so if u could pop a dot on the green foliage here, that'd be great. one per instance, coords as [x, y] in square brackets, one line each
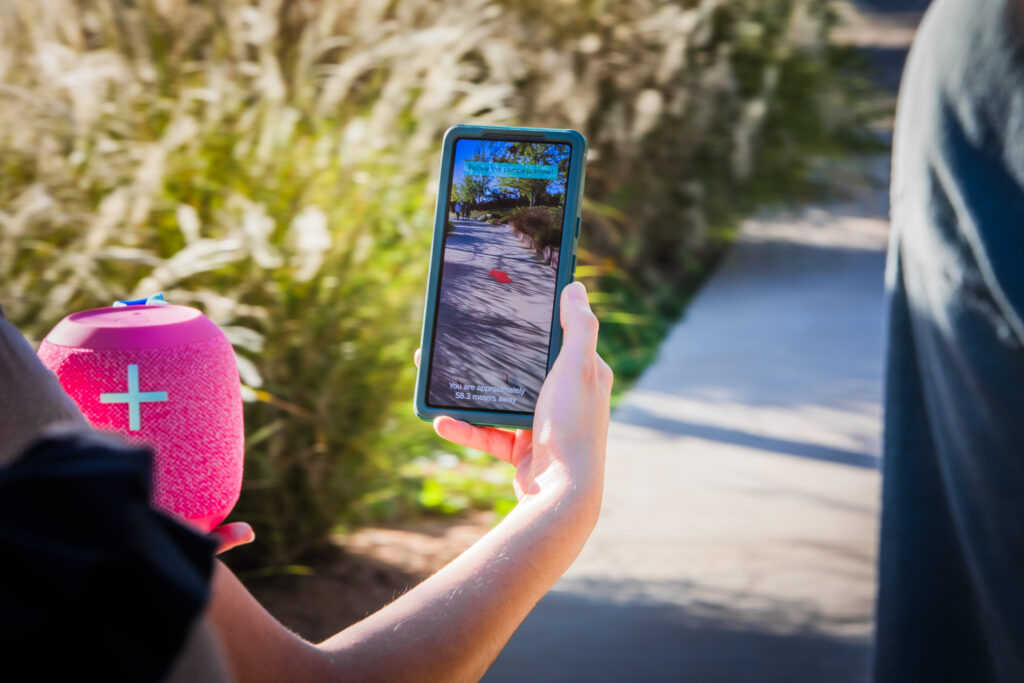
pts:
[273, 163]
[532, 154]
[471, 190]
[451, 486]
[542, 224]
[443, 483]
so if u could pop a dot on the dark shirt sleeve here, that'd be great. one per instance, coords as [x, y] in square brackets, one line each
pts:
[92, 579]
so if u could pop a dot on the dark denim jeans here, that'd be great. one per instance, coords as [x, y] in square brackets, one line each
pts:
[951, 566]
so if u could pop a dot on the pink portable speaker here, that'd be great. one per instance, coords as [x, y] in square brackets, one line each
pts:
[164, 376]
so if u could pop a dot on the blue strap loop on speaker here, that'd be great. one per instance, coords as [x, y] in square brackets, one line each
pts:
[155, 300]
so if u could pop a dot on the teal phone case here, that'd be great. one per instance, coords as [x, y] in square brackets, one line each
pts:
[566, 264]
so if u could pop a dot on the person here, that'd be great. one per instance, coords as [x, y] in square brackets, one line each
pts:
[951, 600]
[93, 579]
[452, 625]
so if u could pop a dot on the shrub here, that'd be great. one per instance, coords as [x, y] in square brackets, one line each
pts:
[541, 223]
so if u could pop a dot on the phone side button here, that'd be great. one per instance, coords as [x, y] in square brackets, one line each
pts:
[577, 227]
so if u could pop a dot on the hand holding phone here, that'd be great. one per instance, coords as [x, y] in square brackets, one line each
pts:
[564, 453]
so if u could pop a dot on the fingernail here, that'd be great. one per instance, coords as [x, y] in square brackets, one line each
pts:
[577, 292]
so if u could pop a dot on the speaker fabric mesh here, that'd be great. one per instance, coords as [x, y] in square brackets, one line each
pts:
[196, 433]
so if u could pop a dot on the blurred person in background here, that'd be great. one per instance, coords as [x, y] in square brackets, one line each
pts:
[138, 596]
[951, 595]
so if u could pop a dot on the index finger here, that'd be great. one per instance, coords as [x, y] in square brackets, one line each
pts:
[497, 442]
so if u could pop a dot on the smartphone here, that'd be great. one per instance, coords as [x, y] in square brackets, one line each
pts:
[505, 232]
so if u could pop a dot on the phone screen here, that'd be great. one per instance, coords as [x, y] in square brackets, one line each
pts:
[502, 237]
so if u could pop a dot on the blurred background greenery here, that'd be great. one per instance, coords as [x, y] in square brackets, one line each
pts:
[275, 164]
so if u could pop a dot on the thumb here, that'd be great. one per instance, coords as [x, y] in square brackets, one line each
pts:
[578, 322]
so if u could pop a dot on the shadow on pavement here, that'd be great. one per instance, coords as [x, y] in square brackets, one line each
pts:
[489, 333]
[639, 417]
[612, 640]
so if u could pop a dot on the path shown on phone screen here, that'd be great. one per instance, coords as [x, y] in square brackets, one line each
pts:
[490, 332]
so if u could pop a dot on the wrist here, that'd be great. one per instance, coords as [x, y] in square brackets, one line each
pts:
[574, 481]
[569, 506]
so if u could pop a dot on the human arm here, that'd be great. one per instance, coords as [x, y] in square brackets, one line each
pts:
[33, 403]
[452, 625]
[31, 398]
[78, 513]
[35, 410]
[92, 486]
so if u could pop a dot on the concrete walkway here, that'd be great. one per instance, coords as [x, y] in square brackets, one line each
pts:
[737, 540]
[738, 536]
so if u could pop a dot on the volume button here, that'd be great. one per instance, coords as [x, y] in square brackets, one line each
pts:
[577, 227]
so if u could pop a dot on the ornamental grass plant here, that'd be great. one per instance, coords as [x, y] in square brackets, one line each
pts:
[275, 164]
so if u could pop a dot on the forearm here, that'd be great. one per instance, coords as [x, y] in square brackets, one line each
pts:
[453, 625]
[450, 627]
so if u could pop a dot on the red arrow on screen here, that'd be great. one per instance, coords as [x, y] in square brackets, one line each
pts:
[500, 275]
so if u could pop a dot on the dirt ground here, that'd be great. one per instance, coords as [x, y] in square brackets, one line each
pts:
[366, 570]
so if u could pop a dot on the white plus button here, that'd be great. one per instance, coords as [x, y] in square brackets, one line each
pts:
[134, 398]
